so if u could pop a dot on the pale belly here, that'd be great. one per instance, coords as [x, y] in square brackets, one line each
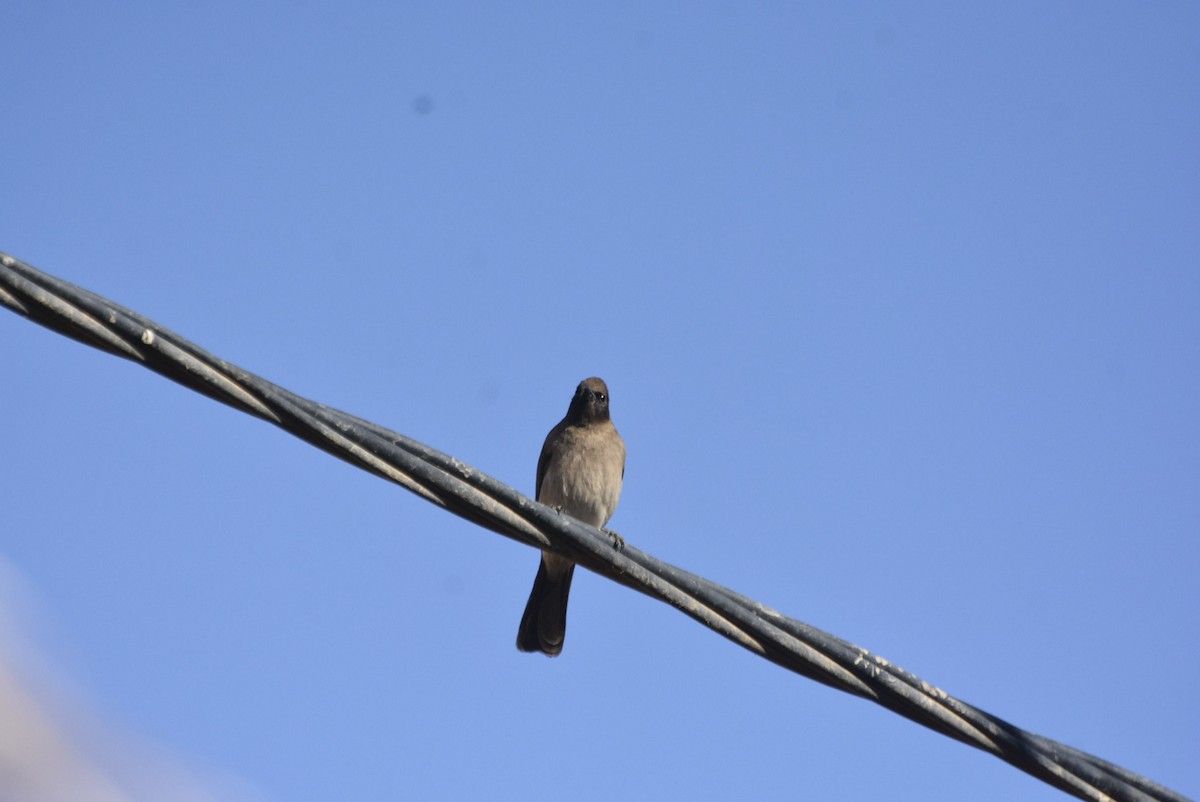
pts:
[585, 484]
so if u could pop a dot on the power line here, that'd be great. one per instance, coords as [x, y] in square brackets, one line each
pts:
[477, 497]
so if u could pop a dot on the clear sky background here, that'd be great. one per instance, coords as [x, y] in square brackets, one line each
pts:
[900, 310]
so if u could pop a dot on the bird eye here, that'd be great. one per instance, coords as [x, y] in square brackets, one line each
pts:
[601, 397]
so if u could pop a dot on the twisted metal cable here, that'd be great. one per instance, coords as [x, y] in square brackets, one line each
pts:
[477, 497]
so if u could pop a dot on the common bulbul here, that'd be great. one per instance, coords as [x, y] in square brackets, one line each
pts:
[579, 472]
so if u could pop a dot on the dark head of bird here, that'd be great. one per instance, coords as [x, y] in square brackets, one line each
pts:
[590, 403]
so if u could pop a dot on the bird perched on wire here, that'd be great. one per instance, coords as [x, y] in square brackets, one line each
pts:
[579, 472]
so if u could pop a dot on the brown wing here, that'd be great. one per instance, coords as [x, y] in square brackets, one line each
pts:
[544, 457]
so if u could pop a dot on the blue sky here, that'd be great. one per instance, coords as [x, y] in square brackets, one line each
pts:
[897, 304]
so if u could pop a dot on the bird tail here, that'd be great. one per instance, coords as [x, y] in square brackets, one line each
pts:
[544, 624]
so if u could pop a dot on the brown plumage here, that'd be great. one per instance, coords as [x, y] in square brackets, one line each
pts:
[579, 472]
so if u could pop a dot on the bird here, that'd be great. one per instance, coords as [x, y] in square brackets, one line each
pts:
[579, 472]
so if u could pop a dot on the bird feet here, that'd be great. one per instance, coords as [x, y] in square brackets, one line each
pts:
[618, 541]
